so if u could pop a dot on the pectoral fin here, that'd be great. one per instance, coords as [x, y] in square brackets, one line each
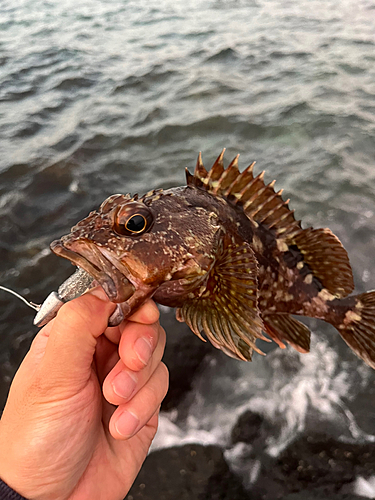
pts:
[226, 309]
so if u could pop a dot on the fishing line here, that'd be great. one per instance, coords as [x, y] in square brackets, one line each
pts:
[30, 304]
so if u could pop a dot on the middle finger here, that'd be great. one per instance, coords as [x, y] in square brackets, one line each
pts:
[122, 383]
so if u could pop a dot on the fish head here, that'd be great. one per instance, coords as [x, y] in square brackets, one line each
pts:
[132, 247]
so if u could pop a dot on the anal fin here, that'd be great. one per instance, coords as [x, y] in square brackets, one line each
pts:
[284, 328]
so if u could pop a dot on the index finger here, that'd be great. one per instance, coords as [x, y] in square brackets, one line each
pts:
[147, 314]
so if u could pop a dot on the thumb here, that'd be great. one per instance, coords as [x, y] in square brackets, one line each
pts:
[73, 336]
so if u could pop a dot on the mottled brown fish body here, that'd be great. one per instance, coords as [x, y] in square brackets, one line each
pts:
[227, 252]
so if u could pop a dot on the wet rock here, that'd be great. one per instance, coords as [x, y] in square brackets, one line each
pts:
[190, 472]
[250, 428]
[321, 495]
[317, 460]
[183, 356]
[317, 467]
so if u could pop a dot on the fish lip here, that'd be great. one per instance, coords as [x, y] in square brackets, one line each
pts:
[117, 287]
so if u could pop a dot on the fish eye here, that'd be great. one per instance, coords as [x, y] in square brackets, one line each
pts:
[132, 220]
[136, 223]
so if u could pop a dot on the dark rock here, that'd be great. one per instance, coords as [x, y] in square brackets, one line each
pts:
[321, 495]
[317, 460]
[250, 428]
[317, 464]
[190, 472]
[183, 356]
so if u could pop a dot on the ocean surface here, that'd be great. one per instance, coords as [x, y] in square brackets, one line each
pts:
[106, 96]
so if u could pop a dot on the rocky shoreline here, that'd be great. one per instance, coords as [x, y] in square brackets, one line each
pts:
[312, 467]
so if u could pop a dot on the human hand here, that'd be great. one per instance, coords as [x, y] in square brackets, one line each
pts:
[60, 435]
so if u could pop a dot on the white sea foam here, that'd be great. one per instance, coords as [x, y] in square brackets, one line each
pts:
[365, 487]
[293, 392]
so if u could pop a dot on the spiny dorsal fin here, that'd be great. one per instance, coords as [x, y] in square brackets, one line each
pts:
[200, 173]
[321, 249]
[226, 311]
[217, 169]
[203, 178]
[259, 201]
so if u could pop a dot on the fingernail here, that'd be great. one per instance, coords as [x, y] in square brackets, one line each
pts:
[124, 384]
[143, 350]
[127, 424]
[98, 292]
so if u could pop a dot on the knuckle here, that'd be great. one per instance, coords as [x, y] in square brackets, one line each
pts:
[74, 309]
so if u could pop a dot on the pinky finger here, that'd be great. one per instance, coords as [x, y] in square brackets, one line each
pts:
[130, 417]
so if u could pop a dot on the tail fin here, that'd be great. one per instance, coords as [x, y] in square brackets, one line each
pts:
[357, 327]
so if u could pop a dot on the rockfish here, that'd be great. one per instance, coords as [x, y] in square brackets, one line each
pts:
[227, 252]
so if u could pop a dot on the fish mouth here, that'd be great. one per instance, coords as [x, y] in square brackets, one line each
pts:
[88, 257]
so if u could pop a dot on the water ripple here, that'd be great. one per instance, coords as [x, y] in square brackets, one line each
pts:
[100, 97]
